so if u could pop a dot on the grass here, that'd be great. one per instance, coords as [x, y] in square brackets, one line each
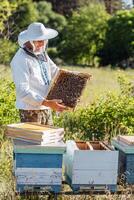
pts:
[103, 80]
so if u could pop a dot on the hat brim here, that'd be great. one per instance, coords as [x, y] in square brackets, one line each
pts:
[24, 37]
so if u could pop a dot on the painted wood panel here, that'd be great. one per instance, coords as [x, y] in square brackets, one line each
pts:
[127, 139]
[38, 160]
[94, 177]
[39, 150]
[38, 188]
[38, 176]
[21, 146]
[130, 158]
[95, 160]
[123, 147]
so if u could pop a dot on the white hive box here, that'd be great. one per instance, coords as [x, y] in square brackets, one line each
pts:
[90, 165]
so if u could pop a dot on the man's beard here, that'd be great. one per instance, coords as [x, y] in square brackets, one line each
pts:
[41, 49]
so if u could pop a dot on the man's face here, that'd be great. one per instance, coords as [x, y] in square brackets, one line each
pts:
[40, 44]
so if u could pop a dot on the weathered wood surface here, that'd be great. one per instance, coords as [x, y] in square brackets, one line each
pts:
[95, 160]
[38, 161]
[122, 146]
[34, 132]
[126, 167]
[92, 191]
[127, 139]
[94, 177]
[38, 176]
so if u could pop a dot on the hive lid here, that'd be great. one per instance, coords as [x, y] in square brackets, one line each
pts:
[20, 146]
[127, 139]
[118, 144]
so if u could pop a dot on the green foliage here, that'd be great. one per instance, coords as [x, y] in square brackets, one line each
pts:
[84, 35]
[8, 112]
[7, 182]
[6, 10]
[48, 17]
[6, 158]
[104, 118]
[7, 51]
[25, 14]
[119, 41]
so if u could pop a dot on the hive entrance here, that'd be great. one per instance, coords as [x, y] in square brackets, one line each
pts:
[91, 146]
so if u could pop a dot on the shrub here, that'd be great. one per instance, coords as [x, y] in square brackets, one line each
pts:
[104, 118]
[48, 17]
[7, 51]
[24, 14]
[6, 10]
[8, 112]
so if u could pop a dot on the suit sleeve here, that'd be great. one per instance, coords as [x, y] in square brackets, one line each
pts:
[21, 76]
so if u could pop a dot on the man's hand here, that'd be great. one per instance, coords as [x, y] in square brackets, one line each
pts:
[55, 105]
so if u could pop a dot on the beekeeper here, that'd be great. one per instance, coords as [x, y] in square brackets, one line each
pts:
[33, 71]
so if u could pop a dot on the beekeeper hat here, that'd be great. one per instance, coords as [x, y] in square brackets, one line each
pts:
[36, 31]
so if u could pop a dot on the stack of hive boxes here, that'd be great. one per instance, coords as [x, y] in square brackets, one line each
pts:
[38, 153]
[125, 145]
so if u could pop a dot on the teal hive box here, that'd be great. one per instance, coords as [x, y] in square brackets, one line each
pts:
[38, 167]
[90, 166]
[126, 160]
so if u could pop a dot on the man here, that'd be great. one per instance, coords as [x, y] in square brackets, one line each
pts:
[33, 71]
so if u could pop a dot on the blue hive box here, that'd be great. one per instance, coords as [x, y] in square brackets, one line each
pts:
[90, 165]
[126, 159]
[38, 167]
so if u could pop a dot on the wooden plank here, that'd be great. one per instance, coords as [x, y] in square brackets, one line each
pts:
[54, 148]
[123, 147]
[94, 177]
[89, 160]
[127, 139]
[39, 176]
[130, 158]
[39, 150]
[38, 160]
[36, 189]
[90, 146]
[33, 131]
[31, 127]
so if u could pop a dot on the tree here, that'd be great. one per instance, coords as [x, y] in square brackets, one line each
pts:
[84, 35]
[113, 5]
[64, 7]
[24, 14]
[6, 10]
[119, 42]
[67, 7]
[48, 17]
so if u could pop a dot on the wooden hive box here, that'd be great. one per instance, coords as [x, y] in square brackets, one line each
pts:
[38, 167]
[68, 86]
[126, 157]
[90, 165]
